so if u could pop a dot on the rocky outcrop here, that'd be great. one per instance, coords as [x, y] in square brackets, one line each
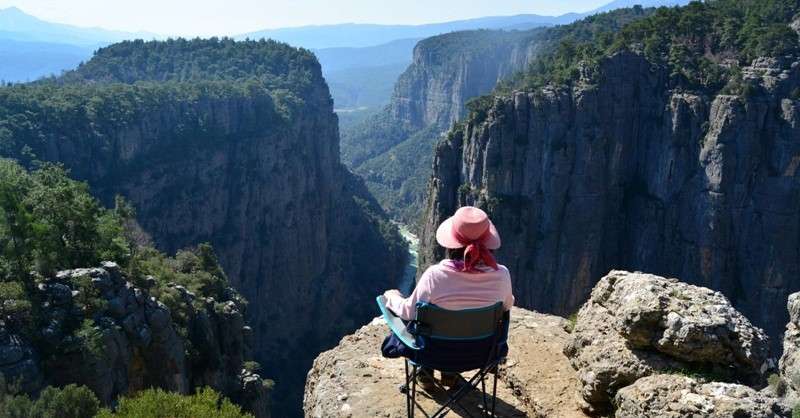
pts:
[18, 364]
[642, 346]
[353, 380]
[635, 325]
[672, 396]
[626, 171]
[790, 361]
[103, 332]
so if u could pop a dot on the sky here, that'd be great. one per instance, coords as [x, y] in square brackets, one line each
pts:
[230, 17]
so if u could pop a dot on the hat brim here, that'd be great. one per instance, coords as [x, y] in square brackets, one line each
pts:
[446, 238]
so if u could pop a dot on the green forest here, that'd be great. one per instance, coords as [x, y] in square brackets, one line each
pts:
[49, 223]
[129, 80]
[703, 44]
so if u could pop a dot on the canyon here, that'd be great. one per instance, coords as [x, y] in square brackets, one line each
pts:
[252, 172]
[393, 150]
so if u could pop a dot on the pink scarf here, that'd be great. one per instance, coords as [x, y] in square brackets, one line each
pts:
[475, 252]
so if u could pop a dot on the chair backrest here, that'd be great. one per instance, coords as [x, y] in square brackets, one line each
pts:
[461, 325]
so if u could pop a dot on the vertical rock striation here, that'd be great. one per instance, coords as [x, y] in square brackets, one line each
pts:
[626, 172]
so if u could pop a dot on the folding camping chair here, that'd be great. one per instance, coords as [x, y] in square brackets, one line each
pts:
[455, 342]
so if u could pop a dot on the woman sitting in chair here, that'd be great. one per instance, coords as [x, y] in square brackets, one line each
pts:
[469, 277]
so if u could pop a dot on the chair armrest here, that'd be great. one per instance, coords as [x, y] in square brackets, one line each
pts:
[396, 324]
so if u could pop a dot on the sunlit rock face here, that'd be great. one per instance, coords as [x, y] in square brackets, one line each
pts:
[624, 171]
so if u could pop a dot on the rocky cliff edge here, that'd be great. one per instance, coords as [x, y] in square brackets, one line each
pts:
[642, 346]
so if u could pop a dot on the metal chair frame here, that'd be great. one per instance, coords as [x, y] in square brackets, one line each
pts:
[409, 334]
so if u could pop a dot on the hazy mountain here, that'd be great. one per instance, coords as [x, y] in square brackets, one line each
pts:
[20, 26]
[363, 35]
[343, 58]
[31, 48]
[27, 61]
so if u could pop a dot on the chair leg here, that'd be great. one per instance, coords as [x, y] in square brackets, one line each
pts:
[413, 391]
[408, 395]
[456, 397]
[494, 392]
[483, 394]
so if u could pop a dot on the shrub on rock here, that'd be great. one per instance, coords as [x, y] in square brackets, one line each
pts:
[156, 403]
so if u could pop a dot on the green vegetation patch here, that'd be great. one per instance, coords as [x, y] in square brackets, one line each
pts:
[156, 403]
[702, 44]
[71, 401]
[182, 80]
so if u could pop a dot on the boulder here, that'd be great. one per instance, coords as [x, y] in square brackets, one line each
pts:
[18, 363]
[790, 361]
[675, 396]
[637, 324]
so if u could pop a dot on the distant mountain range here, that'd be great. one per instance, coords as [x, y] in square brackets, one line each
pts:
[31, 48]
[365, 35]
[20, 26]
[360, 61]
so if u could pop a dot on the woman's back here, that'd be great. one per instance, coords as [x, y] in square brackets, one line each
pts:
[447, 286]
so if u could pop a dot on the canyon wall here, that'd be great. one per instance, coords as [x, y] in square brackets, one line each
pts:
[623, 171]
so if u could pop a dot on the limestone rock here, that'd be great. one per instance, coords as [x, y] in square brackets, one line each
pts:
[674, 396]
[790, 362]
[18, 363]
[135, 343]
[625, 171]
[636, 324]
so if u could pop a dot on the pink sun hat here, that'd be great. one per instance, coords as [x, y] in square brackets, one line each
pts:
[469, 224]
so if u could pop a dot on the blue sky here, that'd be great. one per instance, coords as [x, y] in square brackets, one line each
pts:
[227, 17]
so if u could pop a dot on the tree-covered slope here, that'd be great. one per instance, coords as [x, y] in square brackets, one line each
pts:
[703, 44]
[119, 328]
[275, 64]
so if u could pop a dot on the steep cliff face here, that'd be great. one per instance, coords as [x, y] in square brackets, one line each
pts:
[448, 70]
[626, 172]
[255, 171]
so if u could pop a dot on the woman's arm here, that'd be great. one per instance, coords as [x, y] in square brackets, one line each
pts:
[509, 300]
[406, 308]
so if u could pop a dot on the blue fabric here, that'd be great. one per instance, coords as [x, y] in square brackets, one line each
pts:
[449, 355]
